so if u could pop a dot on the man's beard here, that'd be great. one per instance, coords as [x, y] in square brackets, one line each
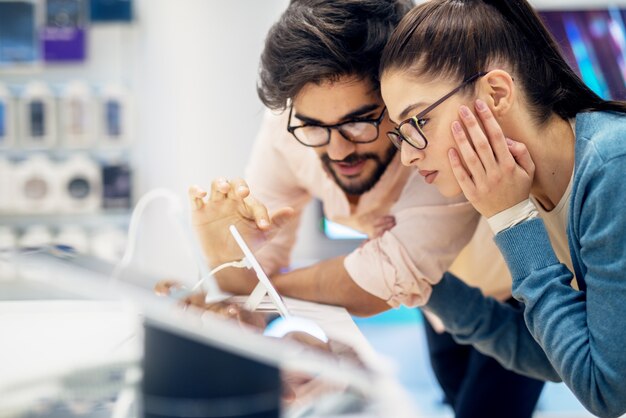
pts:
[365, 184]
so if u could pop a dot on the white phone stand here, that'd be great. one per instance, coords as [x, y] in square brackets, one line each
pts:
[265, 286]
[287, 323]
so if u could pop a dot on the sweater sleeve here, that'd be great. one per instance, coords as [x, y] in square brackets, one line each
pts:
[583, 333]
[492, 327]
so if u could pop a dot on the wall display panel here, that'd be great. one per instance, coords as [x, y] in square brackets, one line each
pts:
[7, 118]
[594, 43]
[111, 10]
[64, 36]
[19, 43]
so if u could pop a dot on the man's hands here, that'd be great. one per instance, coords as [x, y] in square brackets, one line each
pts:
[498, 171]
[230, 203]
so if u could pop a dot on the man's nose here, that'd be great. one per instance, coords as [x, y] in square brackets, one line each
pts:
[339, 147]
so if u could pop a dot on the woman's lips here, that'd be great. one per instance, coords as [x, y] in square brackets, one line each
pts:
[429, 176]
[350, 169]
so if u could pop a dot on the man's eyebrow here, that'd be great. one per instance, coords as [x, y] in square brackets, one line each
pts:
[352, 115]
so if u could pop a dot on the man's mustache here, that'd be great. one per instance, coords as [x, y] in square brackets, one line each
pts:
[352, 158]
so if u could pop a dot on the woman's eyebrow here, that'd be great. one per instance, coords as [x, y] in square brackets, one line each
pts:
[406, 113]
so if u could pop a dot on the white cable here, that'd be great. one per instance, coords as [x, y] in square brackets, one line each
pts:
[176, 212]
[243, 263]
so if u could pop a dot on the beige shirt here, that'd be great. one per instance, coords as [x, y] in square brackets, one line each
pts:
[556, 225]
[431, 235]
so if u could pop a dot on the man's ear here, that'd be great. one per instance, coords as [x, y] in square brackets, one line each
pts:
[498, 88]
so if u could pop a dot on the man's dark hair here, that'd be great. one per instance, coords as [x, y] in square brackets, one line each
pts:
[321, 40]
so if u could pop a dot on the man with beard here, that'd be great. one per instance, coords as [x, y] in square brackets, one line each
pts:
[320, 67]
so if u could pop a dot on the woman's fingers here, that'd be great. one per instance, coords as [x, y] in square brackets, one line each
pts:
[494, 173]
[466, 150]
[477, 140]
[520, 153]
[460, 173]
[473, 166]
[497, 141]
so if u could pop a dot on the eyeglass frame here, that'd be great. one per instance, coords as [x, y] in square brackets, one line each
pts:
[414, 120]
[376, 122]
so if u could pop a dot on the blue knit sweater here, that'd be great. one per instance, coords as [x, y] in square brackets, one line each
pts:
[578, 337]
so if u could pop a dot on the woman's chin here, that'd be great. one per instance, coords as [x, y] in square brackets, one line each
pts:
[449, 190]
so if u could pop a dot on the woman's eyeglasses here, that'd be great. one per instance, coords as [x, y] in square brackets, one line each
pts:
[410, 130]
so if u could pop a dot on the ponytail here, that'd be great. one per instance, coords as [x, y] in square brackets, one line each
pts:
[458, 38]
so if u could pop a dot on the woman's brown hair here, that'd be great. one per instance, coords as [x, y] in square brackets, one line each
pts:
[458, 38]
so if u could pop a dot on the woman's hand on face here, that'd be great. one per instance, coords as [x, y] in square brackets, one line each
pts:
[230, 203]
[498, 171]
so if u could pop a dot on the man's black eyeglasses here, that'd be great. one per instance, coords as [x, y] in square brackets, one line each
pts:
[360, 131]
[410, 130]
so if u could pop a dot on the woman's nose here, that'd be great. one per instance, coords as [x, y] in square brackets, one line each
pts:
[410, 155]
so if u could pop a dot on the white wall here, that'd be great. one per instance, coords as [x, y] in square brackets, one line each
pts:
[195, 72]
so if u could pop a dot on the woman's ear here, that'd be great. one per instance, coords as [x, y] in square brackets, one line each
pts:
[498, 87]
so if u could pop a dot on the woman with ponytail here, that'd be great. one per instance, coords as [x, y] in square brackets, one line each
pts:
[485, 105]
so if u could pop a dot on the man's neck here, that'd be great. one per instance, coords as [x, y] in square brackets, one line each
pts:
[353, 199]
